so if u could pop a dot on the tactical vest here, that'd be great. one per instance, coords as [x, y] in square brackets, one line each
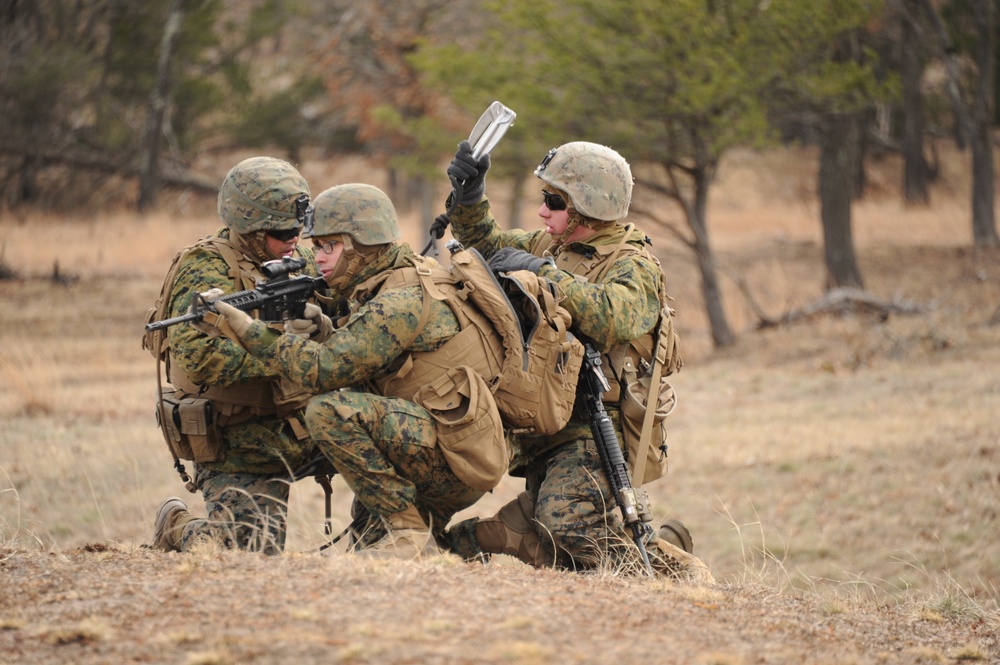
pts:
[477, 345]
[629, 367]
[233, 404]
[624, 359]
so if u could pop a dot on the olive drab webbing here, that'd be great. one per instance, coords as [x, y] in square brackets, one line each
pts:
[529, 359]
[630, 368]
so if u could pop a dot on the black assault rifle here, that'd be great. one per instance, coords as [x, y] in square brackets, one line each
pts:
[280, 298]
[633, 502]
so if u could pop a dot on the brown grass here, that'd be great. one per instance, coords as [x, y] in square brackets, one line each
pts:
[840, 475]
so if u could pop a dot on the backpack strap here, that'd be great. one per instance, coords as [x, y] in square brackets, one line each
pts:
[418, 275]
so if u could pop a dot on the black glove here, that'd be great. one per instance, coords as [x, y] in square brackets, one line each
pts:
[469, 173]
[508, 259]
[441, 222]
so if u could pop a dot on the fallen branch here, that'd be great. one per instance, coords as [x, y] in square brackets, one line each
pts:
[842, 300]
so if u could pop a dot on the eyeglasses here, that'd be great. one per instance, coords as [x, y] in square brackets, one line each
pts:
[325, 247]
[553, 202]
[285, 235]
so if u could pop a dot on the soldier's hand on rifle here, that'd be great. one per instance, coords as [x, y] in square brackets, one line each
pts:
[509, 259]
[315, 325]
[202, 325]
[470, 173]
[239, 322]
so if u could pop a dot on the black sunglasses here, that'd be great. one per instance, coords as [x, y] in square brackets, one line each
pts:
[285, 235]
[553, 202]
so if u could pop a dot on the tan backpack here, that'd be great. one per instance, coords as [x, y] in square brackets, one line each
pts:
[527, 356]
[536, 388]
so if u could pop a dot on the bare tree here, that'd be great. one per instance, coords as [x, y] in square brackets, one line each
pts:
[916, 171]
[975, 123]
[149, 172]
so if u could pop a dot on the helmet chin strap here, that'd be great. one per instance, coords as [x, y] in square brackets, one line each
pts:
[347, 266]
[351, 262]
[574, 220]
[255, 246]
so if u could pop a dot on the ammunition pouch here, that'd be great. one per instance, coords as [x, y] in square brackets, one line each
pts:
[190, 426]
[468, 425]
[633, 411]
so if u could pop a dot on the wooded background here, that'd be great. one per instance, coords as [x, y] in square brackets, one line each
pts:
[108, 102]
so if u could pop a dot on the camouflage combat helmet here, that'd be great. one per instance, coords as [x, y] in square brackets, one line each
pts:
[363, 212]
[263, 194]
[597, 179]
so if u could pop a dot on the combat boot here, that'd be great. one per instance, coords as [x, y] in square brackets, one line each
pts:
[671, 561]
[675, 533]
[510, 532]
[408, 538]
[171, 518]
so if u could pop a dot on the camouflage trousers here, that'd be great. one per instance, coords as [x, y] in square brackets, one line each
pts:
[245, 510]
[574, 509]
[246, 494]
[386, 450]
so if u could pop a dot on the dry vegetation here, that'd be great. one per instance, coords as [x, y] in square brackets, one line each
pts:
[841, 474]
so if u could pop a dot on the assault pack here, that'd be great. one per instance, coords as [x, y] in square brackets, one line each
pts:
[536, 388]
[532, 363]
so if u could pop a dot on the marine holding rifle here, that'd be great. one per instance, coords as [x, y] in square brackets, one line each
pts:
[615, 290]
[242, 420]
[401, 406]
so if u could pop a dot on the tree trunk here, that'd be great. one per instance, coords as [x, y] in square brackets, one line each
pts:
[711, 290]
[984, 232]
[916, 172]
[516, 197]
[840, 145]
[977, 122]
[722, 335]
[149, 173]
[428, 206]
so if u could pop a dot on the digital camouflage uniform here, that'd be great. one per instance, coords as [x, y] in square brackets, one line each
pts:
[246, 494]
[384, 447]
[573, 501]
[249, 489]
[615, 292]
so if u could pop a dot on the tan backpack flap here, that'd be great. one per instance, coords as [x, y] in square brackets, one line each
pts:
[469, 429]
[540, 394]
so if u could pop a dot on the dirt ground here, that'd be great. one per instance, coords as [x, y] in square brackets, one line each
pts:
[108, 605]
[840, 474]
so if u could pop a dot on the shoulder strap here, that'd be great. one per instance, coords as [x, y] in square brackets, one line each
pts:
[418, 275]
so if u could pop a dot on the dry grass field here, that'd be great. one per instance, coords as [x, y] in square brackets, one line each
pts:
[840, 474]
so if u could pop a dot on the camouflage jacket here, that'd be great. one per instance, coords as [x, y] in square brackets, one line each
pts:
[213, 361]
[264, 444]
[621, 307]
[370, 345]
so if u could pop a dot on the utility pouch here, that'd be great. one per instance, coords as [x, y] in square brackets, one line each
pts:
[633, 410]
[189, 427]
[469, 429]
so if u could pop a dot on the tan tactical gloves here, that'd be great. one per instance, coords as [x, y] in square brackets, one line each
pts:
[315, 325]
[239, 321]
